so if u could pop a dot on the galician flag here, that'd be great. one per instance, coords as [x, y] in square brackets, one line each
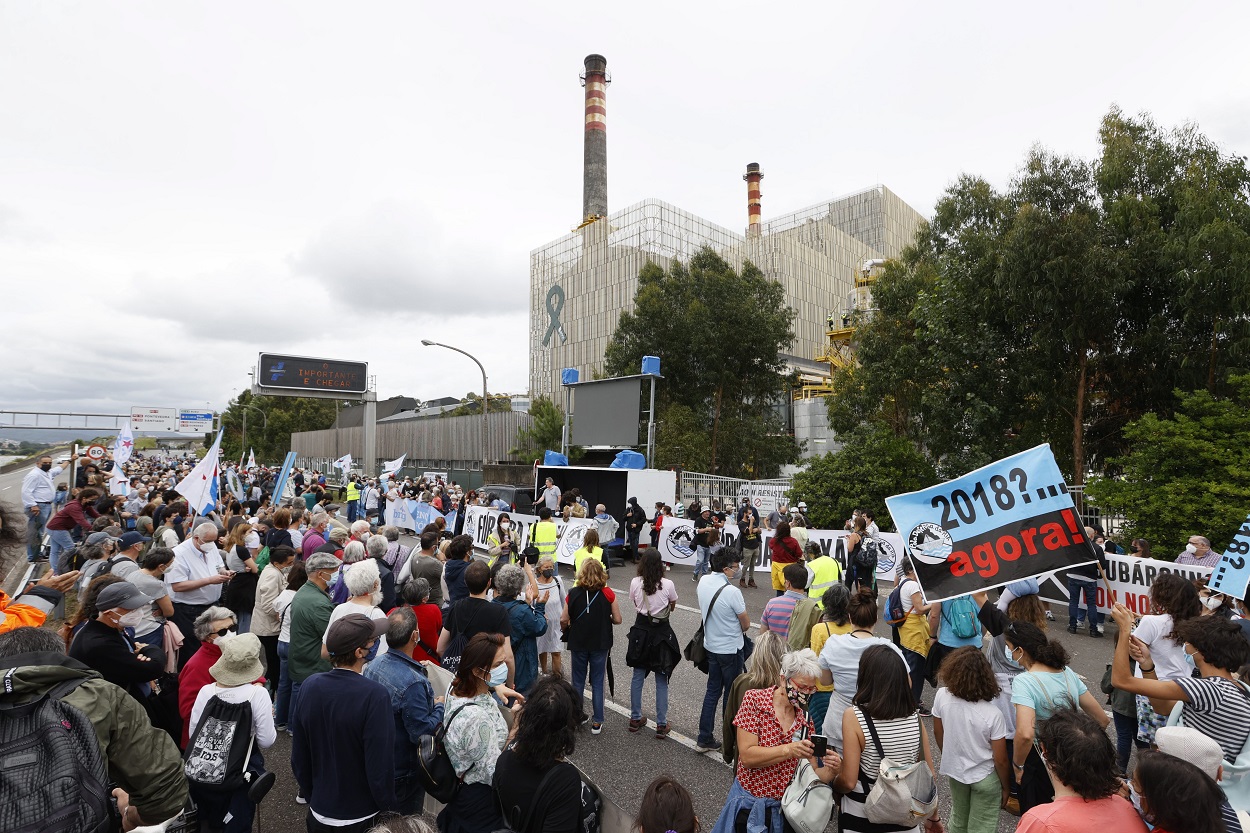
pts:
[200, 486]
[344, 463]
[394, 465]
[251, 459]
[123, 446]
[119, 483]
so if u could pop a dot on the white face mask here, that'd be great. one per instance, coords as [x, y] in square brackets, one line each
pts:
[208, 548]
[226, 637]
[1212, 602]
[1192, 549]
[131, 618]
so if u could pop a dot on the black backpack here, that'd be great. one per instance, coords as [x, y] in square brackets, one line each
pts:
[866, 555]
[455, 647]
[52, 772]
[217, 754]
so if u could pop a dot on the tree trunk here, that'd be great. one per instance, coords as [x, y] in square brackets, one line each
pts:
[1215, 334]
[1078, 423]
[720, 389]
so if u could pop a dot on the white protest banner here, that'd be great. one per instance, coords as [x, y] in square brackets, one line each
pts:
[398, 516]
[1130, 577]
[480, 522]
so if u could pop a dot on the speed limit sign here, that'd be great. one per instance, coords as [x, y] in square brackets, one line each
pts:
[96, 452]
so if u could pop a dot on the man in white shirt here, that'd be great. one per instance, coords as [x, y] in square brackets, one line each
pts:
[725, 620]
[38, 490]
[195, 579]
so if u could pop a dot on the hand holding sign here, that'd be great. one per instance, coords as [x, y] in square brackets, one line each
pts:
[1010, 520]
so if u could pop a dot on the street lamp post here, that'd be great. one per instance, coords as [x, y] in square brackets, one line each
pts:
[485, 404]
[264, 427]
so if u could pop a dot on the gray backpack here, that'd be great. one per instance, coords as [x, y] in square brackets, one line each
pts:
[54, 777]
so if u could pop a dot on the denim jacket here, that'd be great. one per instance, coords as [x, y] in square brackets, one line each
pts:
[412, 702]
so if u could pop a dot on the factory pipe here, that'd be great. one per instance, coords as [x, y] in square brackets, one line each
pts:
[753, 177]
[595, 79]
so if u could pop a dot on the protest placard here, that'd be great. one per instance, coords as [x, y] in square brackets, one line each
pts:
[1232, 573]
[1010, 520]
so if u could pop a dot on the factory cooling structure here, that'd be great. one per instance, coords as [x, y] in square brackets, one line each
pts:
[581, 282]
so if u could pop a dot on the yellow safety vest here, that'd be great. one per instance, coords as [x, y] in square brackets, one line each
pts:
[353, 491]
[582, 554]
[826, 572]
[544, 536]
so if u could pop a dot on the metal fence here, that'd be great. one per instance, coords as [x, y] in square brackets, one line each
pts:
[1091, 515]
[716, 490]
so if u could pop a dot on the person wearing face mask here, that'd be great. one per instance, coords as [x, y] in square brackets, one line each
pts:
[104, 645]
[590, 611]
[1174, 796]
[343, 752]
[38, 495]
[1184, 789]
[364, 584]
[310, 615]
[1215, 603]
[550, 646]
[195, 579]
[149, 577]
[1198, 552]
[725, 620]
[1080, 763]
[772, 736]
[214, 627]
[266, 622]
[504, 542]
[653, 646]
[476, 734]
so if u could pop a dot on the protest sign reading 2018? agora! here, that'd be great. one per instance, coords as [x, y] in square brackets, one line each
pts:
[1006, 521]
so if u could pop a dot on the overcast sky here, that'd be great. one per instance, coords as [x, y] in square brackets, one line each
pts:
[184, 185]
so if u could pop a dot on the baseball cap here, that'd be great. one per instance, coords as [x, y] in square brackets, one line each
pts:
[99, 538]
[121, 594]
[130, 539]
[339, 534]
[1189, 744]
[353, 631]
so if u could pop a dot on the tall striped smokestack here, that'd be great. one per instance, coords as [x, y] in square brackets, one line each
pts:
[595, 162]
[753, 177]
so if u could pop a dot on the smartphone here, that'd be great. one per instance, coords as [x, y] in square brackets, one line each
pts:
[820, 745]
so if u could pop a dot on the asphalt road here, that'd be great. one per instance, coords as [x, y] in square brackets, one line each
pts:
[622, 764]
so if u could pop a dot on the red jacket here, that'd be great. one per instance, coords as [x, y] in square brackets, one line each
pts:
[785, 550]
[73, 515]
[194, 676]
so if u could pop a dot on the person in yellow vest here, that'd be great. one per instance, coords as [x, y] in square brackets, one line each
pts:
[544, 534]
[823, 571]
[504, 542]
[590, 549]
[353, 500]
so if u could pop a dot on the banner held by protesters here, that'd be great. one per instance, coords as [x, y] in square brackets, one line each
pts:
[1010, 520]
[1232, 573]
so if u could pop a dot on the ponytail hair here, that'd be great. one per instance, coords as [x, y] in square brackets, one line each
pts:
[1033, 641]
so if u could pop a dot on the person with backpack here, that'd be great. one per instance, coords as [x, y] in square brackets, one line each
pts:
[111, 741]
[538, 790]
[234, 707]
[783, 550]
[861, 557]
[1046, 686]
[953, 624]
[590, 611]
[473, 615]
[882, 722]
[343, 752]
[907, 613]
[475, 734]
[652, 644]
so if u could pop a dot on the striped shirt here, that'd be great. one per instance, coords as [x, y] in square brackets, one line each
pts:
[778, 611]
[900, 739]
[1220, 709]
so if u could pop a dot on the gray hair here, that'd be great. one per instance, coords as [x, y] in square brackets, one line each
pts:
[203, 622]
[546, 559]
[204, 527]
[800, 664]
[400, 626]
[391, 533]
[764, 666]
[362, 578]
[417, 591]
[353, 552]
[403, 824]
[509, 581]
[360, 527]
[376, 546]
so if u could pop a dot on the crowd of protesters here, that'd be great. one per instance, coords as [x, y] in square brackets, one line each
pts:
[314, 619]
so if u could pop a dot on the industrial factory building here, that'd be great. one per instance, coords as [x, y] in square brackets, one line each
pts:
[581, 282]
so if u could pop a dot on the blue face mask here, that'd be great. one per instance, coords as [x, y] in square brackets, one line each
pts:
[1189, 659]
[499, 675]
[1008, 653]
[1135, 797]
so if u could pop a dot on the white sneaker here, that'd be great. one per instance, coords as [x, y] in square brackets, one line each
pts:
[299, 799]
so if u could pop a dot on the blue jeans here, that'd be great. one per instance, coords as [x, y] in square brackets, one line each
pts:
[214, 806]
[282, 704]
[915, 667]
[34, 530]
[353, 506]
[597, 662]
[700, 561]
[411, 795]
[290, 723]
[1075, 587]
[1125, 734]
[722, 670]
[661, 695]
[60, 541]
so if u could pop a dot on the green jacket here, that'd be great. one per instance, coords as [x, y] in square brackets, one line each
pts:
[310, 616]
[142, 760]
